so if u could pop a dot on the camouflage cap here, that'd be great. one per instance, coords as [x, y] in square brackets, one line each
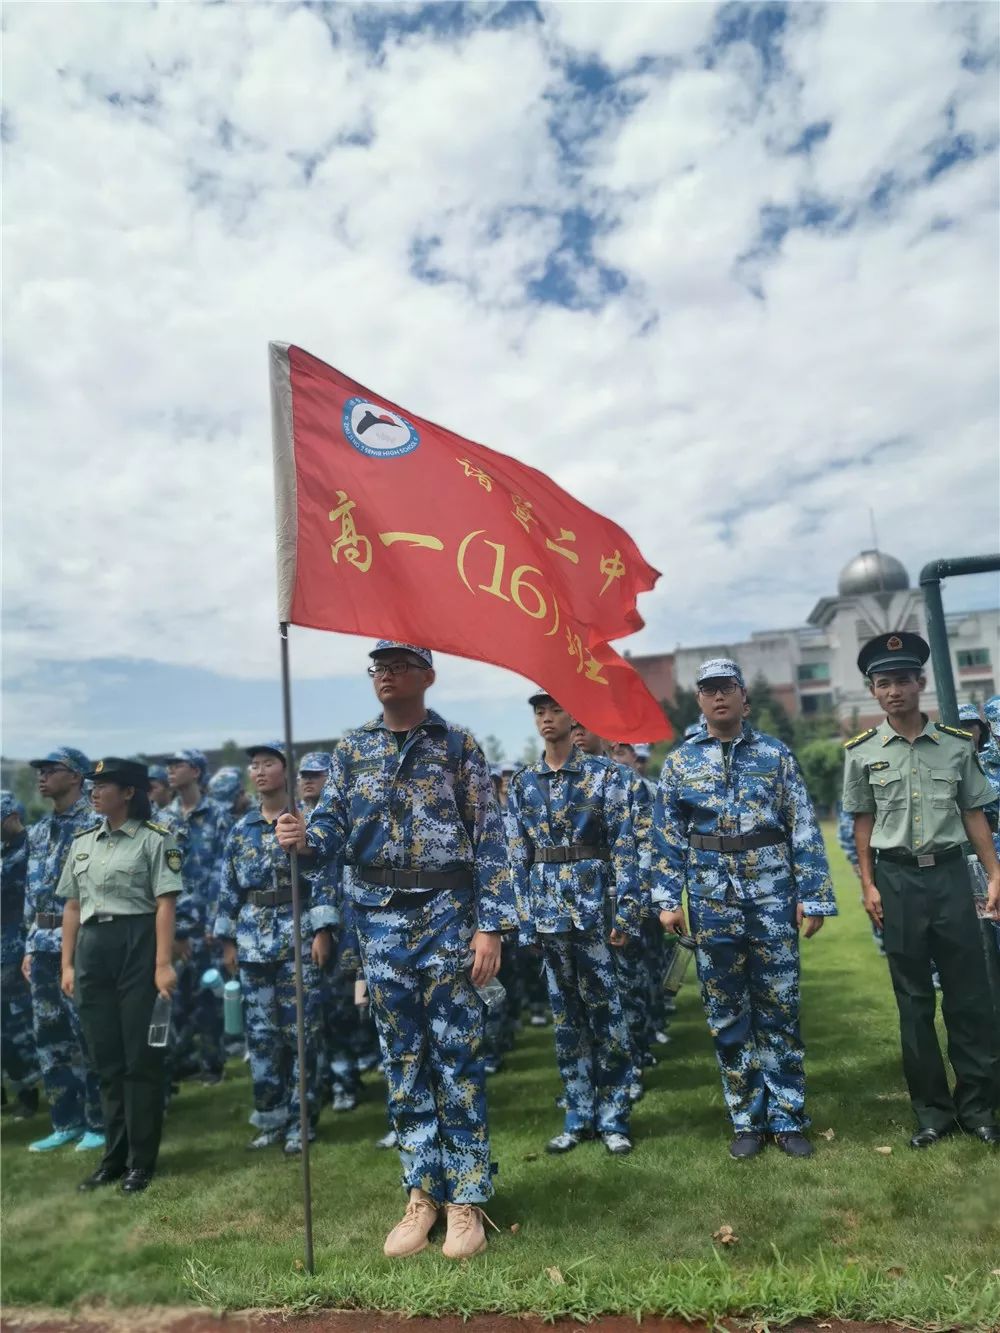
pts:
[719, 668]
[968, 713]
[269, 747]
[10, 805]
[538, 694]
[157, 772]
[316, 761]
[75, 760]
[193, 757]
[390, 646]
[642, 750]
[226, 784]
[991, 711]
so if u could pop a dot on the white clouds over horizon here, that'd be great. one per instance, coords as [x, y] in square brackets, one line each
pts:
[730, 277]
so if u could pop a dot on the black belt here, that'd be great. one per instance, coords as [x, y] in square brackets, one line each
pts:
[102, 918]
[561, 855]
[737, 842]
[274, 897]
[923, 860]
[432, 880]
[48, 920]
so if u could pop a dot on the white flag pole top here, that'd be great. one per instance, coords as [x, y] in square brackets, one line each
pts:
[285, 494]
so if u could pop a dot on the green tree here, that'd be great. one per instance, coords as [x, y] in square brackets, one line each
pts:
[493, 749]
[768, 713]
[684, 710]
[822, 764]
[25, 786]
[531, 752]
[232, 755]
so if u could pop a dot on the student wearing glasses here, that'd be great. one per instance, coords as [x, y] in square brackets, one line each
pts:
[409, 808]
[734, 825]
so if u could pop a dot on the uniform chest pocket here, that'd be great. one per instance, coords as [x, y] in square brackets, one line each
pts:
[944, 789]
[887, 788]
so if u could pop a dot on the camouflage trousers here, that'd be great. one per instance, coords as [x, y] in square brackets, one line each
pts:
[593, 1050]
[272, 1043]
[633, 986]
[71, 1086]
[341, 1023]
[197, 1013]
[430, 1025]
[748, 965]
[18, 1059]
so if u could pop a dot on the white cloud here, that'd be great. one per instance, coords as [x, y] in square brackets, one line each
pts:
[253, 178]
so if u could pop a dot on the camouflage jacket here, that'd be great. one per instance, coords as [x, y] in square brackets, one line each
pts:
[587, 802]
[13, 876]
[252, 861]
[759, 789]
[48, 843]
[428, 805]
[201, 835]
[845, 835]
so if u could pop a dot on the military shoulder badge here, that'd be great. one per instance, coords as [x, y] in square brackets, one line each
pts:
[878, 766]
[174, 859]
[953, 731]
[863, 736]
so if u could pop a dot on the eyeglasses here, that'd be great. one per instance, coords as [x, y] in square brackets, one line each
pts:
[394, 668]
[718, 687]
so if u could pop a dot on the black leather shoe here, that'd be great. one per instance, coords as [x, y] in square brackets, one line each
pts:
[989, 1134]
[794, 1144]
[926, 1138]
[746, 1145]
[136, 1181]
[104, 1175]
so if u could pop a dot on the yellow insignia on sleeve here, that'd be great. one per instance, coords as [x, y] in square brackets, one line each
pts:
[174, 859]
[157, 828]
[862, 736]
[953, 731]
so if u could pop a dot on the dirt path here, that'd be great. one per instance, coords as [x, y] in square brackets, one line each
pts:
[145, 1320]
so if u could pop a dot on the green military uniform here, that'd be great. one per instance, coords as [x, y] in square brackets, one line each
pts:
[117, 875]
[917, 791]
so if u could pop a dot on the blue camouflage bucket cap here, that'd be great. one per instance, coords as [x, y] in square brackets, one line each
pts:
[316, 761]
[75, 760]
[10, 805]
[716, 668]
[226, 784]
[991, 711]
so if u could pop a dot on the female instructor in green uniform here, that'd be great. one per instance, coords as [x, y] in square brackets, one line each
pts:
[120, 881]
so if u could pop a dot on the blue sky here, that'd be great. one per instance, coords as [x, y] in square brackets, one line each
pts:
[728, 273]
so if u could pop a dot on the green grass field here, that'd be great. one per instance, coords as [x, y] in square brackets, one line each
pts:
[911, 1237]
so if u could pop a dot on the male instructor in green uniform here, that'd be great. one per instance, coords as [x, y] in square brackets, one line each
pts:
[917, 793]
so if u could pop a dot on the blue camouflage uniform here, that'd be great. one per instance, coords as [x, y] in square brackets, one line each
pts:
[742, 906]
[255, 910]
[201, 835]
[567, 906]
[422, 812]
[989, 758]
[631, 962]
[224, 786]
[18, 1060]
[71, 1087]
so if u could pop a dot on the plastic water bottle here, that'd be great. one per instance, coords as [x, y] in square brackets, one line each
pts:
[232, 1009]
[159, 1022]
[980, 886]
[493, 993]
[212, 980]
[679, 963]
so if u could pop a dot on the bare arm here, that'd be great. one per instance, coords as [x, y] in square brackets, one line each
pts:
[165, 977]
[70, 930]
[863, 826]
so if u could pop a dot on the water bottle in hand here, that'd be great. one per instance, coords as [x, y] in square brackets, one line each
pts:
[493, 993]
[159, 1023]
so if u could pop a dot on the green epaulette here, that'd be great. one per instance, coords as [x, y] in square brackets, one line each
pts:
[157, 828]
[856, 740]
[953, 731]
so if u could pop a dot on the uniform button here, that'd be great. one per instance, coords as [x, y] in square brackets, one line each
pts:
[916, 819]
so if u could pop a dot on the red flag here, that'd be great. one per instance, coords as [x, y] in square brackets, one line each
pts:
[393, 527]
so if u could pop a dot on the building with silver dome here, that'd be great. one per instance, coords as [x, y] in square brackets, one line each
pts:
[813, 669]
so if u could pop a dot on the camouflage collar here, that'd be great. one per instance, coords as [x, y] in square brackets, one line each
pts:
[573, 764]
[432, 719]
[746, 733]
[78, 808]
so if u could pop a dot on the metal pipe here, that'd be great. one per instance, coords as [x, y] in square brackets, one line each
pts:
[937, 631]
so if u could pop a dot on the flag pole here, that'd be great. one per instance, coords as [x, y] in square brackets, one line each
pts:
[300, 1023]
